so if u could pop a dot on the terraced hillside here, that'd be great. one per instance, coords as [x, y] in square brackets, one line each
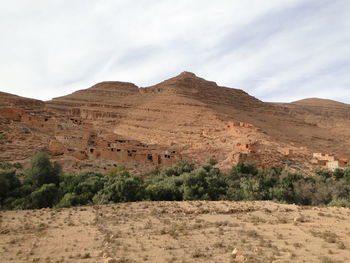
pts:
[186, 117]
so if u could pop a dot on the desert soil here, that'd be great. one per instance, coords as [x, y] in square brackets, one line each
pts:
[196, 231]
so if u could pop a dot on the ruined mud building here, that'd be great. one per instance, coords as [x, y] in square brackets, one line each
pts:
[70, 136]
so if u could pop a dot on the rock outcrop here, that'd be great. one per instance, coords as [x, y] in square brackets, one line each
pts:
[186, 116]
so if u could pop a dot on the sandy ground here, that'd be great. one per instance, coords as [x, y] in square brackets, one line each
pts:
[196, 231]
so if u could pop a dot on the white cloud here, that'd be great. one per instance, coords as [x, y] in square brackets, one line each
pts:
[275, 50]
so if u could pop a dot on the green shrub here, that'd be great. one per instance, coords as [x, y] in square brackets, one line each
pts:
[324, 173]
[16, 203]
[6, 165]
[45, 196]
[213, 162]
[284, 189]
[71, 199]
[121, 188]
[45, 186]
[118, 171]
[42, 171]
[8, 183]
[203, 185]
[17, 165]
[251, 189]
[165, 188]
[82, 187]
[340, 202]
[244, 169]
[181, 167]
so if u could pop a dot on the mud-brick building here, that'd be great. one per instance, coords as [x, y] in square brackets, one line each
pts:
[341, 163]
[324, 156]
[120, 149]
[329, 161]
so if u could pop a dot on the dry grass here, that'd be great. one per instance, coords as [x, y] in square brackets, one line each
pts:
[197, 231]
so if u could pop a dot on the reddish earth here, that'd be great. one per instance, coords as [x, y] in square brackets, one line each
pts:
[186, 117]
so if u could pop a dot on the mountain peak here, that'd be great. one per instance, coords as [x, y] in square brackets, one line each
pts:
[320, 102]
[187, 80]
[187, 74]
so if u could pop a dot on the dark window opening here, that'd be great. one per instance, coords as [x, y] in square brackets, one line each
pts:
[150, 157]
[173, 152]
[112, 149]
[167, 156]
[91, 150]
[46, 119]
[118, 150]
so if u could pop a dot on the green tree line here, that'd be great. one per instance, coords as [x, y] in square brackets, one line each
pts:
[44, 184]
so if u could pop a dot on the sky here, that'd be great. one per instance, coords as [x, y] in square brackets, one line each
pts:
[276, 50]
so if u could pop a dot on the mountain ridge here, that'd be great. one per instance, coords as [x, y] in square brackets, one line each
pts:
[182, 117]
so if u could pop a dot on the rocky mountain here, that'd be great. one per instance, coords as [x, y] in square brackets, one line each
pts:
[186, 117]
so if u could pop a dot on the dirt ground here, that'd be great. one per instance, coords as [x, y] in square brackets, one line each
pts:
[196, 231]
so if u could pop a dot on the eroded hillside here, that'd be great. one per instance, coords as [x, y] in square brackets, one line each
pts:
[186, 117]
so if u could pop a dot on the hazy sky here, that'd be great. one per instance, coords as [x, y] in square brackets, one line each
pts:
[276, 50]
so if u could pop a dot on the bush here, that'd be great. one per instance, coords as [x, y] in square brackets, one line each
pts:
[16, 203]
[8, 183]
[45, 196]
[251, 189]
[340, 202]
[284, 189]
[165, 188]
[324, 173]
[121, 188]
[181, 167]
[79, 189]
[45, 186]
[303, 192]
[195, 185]
[118, 171]
[42, 171]
[244, 169]
[203, 185]
[5, 165]
[71, 199]
[212, 161]
[17, 165]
